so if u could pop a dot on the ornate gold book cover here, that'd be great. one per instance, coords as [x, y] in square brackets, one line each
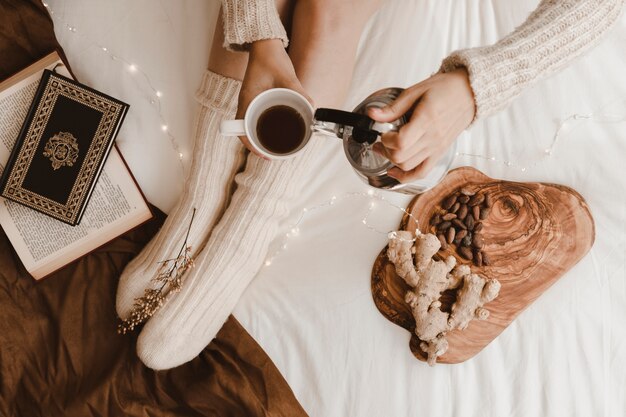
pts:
[62, 147]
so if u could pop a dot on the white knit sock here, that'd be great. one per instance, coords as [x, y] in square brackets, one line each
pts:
[216, 160]
[231, 258]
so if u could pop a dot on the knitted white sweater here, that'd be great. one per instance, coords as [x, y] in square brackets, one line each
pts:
[554, 34]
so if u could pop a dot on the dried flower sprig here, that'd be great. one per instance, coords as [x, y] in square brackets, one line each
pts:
[170, 275]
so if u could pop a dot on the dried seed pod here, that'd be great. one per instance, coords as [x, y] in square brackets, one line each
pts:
[477, 241]
[484, 213]
[476, 212]
[486, 260]
[449, 202]
[458, 223]
[442, 240]
[449, 216]
[435, 220]
[478, 226]
[467, 191]
[455, 207]
[444, 226]
[450, 234]
[461, 234]
[467, 240]
[466, 253]
[488, 200]
[462, 212]
[470, 222]
[464, 199]
[478, 258]
[477, 199]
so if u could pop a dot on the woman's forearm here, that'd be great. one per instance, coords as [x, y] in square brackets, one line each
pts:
[554, 34]
[247, 21]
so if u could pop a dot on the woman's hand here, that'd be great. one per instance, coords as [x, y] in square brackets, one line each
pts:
[269, 66]
[443, 106]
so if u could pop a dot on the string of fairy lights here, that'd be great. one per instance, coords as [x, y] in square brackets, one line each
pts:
[373, 197]
[155, 96]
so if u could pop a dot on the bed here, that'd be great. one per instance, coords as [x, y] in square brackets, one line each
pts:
[311, 308]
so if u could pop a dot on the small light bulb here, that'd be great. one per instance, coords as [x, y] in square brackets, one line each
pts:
[370, 192]
[45, 5]
[524, 169]
[304, 210]
[104, 48]
[132, 68]
[295, 230]
[268, 262]
[180, 155]
[548, 151]
[164, 128]
[285, 246]
[159, 94]
[364, 221]
[493, 158]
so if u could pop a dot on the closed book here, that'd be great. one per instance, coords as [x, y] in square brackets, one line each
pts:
[61, 148]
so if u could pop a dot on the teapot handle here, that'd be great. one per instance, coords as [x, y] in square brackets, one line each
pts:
[331, 122]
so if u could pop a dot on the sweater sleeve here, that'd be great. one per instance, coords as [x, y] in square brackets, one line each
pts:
[246, 21]
[554, 34]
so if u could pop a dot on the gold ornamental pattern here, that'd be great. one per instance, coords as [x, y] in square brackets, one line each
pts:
[100, 145]
[62, 150]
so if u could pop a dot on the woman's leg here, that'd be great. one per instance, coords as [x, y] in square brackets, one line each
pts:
[238, 245]
[210, 181]
[208, 186]
[323, 45]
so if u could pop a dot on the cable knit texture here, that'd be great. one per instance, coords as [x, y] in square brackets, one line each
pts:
[216, 160]
[554, 34]
[246, 21]
[232, 257]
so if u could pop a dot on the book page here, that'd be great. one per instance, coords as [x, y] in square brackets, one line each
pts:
[45, 244]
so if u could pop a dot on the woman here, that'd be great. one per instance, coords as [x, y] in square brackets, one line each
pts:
[230, 235]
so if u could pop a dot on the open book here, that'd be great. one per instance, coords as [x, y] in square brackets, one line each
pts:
[43, 243]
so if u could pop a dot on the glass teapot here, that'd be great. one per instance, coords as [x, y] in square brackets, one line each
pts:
[359, 133]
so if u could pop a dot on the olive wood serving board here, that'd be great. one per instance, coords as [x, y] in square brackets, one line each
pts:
[534, 233]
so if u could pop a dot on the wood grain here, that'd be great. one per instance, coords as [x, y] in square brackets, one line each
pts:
[534, 234]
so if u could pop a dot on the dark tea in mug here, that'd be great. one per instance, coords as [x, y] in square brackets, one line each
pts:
[281, 130]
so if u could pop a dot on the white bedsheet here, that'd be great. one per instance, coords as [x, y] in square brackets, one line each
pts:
[311, 309]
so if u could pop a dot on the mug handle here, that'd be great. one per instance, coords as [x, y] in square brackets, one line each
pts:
[233, 128]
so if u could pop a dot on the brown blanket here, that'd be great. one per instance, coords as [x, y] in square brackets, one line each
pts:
[59, 351]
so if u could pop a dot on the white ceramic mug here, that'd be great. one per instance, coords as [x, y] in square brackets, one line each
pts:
[267, 99]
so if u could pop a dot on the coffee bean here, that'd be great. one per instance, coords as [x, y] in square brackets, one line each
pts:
[476, 199]
[467, 191]
[450, 234]
[461, 234]
[464, 199]
[455, 207]
[478, 227]
[488, 200]
[457, 239]
[444, 226]
[435, 220]
[449, 216]
[462, 212]
[469, 222]
[449, 202]
[442, 240]
[484, 213]
[486, 260]
[467, 241]
[476, 212]
[458, 223]
[478, 258]
[477, 241]
[466, 253]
